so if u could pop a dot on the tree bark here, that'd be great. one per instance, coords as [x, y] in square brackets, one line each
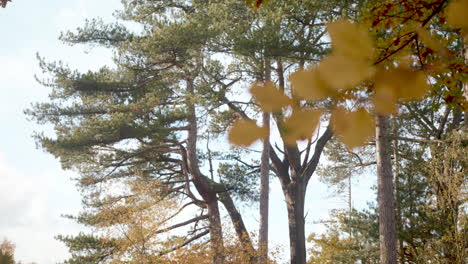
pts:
[295, 195]
[264, 183]
[264, 195]
[385, 199]
[216, 232]
[239, 227]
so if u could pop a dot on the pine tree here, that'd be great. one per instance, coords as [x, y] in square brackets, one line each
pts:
[141, 119]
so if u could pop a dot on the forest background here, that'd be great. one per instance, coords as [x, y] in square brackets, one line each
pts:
[451, 118]
[34, 197]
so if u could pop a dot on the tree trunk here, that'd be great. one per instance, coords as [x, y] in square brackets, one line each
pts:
[264, 183]
[202, 183]
[398, 217]
[264, 195]
[295, 205]
[239, 227]
[385, 199]
[216, 232]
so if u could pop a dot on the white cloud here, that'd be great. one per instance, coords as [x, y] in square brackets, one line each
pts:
[67, 17]
[30, 208]
[16, 197]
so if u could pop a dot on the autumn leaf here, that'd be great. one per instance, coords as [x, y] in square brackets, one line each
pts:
[385, 101]
[245, 132]
[401, 83]
[456, 15]
[270, 98]
[350, 40]
[300, 125]
[308, 84]
[407, 84]
[425, 36]
[343, 72]
[354, 129]
[350, 61]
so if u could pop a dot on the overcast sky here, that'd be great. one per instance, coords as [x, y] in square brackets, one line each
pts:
[34, 191]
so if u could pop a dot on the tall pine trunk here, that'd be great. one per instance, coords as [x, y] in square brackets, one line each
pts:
[385, 199]
[264, 183]
[264, 195]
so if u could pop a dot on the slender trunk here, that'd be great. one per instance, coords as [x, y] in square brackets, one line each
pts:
[385, 199]
[239, 227]
[350, 205]
[399, 226]
[295, 205]
[202, 184]
[264, 183]
[264, 195]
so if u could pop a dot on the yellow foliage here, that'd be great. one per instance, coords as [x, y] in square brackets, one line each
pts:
[350, 40]
[425, 36]
[245, 132]
[385, 101]
[308, 84]
[456, 15]
[399, 83]
[344, 72]
[353, 128]
[270, 98]
[395, 84]
[350, 62]
[301, 125]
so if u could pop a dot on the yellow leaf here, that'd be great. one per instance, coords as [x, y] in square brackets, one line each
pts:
[456, 14]
[354, 129]
[343, 72]
[308, 84]
[245, 132]
[300, 125]
[269, 97]
[385, 101]
[405, 83]
[425, 36]
[350, 40]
